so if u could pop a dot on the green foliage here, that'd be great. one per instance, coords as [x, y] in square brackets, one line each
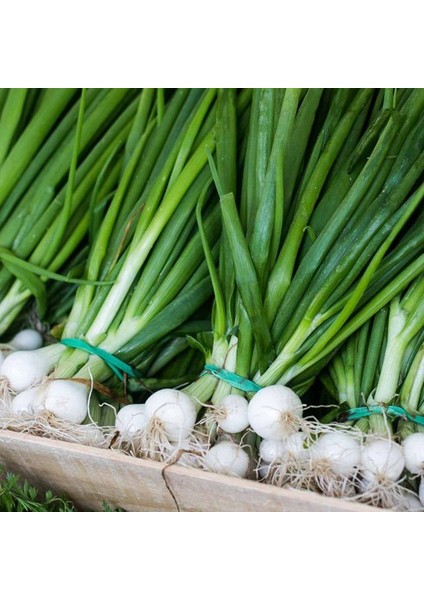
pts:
[107, 508]
[18, 496]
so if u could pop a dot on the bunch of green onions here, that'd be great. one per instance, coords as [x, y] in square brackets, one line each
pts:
[329, 183]
[285, 299]
[145, 256]
[57, 147]
[237, 241]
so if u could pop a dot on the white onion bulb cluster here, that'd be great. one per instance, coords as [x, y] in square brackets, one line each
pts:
[167, 418]
[65, 399]
[23, 372]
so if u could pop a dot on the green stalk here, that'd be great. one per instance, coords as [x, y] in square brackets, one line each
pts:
[375, 304]
[302, 131]
[191, 135]
[60, 229]
[188, 264]
[379, 172]
[339, 101]
[219, 320]
[59, 167]
[140, 122]
[282, 272]
[376, 342]
[260, 240]
[278, 208]
[11, 115]
[249, 187]
[40, 255]
[18, 295]
[142, 245]
[245, 344]
[406, 318]
[46, 152]
[79, 203]
[99, 247]
[152, 165]
[78, 364]
[246, 278]
[162, 141]
[389, 98]
[340, 181]
[177, 234]
[3, 97]
[35, 209]
[406, 250]
[227, 131]
[356, 245]
[171, 133]
[312, 318]
[413, 384]
[53, 104]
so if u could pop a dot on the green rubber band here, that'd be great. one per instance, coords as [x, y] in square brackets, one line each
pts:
[117, 365]
[237, 381]
[354, 414]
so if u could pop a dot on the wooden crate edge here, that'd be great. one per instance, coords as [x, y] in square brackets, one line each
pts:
[165, 487]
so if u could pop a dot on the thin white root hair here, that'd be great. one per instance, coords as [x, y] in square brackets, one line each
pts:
[46, 425]
[313, 428]
[152, 443]
[320, 477]
[90, 393]
[384, 493]
[213, 416]
[282, 472]
[6, 396]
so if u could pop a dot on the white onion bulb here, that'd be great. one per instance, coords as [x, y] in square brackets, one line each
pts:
[24, 368]
[413, 450]
[275, 412]
[339, 450]
[130, 420]
[235, 408]
[174, 410]
[227, 458]
[27, 339]
[382, 458]
[67, 400]
[271, 450]
[410, 501]
[295, 445]
[29, 401]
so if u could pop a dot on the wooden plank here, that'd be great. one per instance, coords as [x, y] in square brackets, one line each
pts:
[196, 490]
[89, 476]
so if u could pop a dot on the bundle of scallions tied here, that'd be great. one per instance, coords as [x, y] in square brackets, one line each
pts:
[142, 271]
[377, 378]
[237, 250]
[321, 238]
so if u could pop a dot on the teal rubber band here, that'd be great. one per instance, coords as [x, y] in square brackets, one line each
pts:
[117, 365]
[237, 381]
[361, 412]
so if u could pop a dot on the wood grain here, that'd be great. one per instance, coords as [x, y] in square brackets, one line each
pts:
[197, 490]
[89, 476]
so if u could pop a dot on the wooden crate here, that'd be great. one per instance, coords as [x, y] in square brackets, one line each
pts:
[89, 476]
